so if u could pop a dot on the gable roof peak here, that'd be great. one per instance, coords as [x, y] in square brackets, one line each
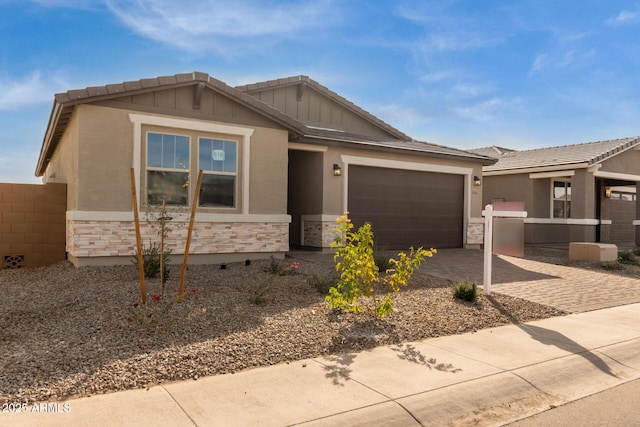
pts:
[64, 103]
[344, 102]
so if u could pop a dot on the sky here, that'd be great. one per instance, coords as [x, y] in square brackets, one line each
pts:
[520, 74]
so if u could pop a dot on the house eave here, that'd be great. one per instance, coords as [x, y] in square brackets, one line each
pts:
[380, 147]
[538, 169]
[48, 144]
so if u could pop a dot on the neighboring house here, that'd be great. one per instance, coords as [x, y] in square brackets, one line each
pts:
[281, 160]
[583, 192]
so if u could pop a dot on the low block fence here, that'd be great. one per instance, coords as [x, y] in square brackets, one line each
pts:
[32, 224]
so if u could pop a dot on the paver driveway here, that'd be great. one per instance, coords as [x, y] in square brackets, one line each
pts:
[568, 288]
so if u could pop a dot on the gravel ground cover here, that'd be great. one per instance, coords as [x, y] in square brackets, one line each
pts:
[67, 332]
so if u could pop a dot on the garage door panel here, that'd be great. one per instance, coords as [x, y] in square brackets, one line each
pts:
[408, 208]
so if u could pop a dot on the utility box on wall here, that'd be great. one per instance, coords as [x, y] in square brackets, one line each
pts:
[32, 224]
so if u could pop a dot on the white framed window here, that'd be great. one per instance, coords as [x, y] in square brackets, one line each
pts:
[193, 129]
[561, 198]
[218, 160]
[167, 169]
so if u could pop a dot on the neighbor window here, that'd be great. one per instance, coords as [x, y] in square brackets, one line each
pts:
[619, 195]
[561, 199]
[167, 169]
[218, 161]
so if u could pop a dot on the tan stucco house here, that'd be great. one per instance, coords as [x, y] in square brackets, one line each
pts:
[573, 193]
[281, 160]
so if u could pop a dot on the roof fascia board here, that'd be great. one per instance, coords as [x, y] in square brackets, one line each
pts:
[307, 147]
[532, 170]
[554, 174]
[618, 176]
[56, 109]
[392, 149]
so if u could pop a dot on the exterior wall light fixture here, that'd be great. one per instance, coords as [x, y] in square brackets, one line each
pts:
[476, 181]
[337, 170]
[607, 192]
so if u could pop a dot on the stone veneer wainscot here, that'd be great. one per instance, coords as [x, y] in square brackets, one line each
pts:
[86, 238]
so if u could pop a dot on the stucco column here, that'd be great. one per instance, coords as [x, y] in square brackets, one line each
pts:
[583, 206]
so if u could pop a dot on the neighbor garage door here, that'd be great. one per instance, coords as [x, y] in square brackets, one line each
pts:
[407, 208]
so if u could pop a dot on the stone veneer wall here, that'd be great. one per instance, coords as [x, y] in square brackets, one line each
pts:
[475, 233]
[319, 234]
[117, 238]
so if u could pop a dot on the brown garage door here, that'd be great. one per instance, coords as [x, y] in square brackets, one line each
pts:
[407, 208]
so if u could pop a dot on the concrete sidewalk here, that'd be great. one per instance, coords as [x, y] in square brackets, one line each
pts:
[490, 377]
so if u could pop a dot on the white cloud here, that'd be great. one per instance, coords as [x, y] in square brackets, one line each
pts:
[562, 60]
[28, 90]
[401, 114]
[540, 62]
[71, 4]
[483, 111]
[458, 41]
[438, 76]
[448, 30]
[468, 90]
[624, 18]
[214, 26]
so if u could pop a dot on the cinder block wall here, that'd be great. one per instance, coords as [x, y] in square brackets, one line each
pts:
[32, 224]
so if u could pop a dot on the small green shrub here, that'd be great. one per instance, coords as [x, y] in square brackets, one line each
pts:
[277, 269]
[614, 265]
[322, 285]
[636, 251]
[263, 294]
[161, 315]
[274, 266]
[466, 290]
[359, 274]
[628, 257]
[151, 261]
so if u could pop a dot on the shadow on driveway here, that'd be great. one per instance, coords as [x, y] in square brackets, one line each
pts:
[468, 264]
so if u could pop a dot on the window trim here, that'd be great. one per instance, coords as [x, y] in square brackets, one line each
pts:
[553, 198]
[242, 133]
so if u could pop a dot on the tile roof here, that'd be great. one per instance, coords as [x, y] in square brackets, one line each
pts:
[296, 80]
[64, 103]
[98, 93]
[324, 135]
[575, 155]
